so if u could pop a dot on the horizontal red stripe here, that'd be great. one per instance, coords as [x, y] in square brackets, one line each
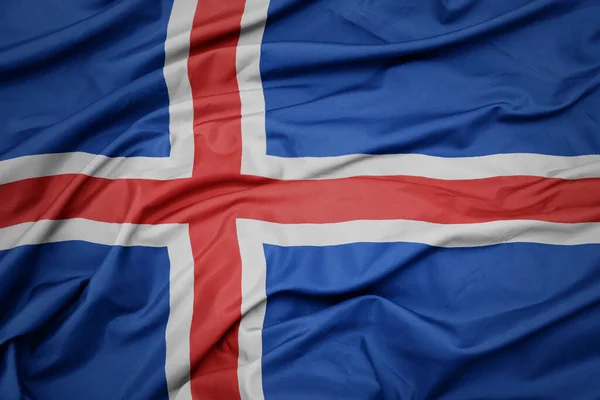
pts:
[193, 200]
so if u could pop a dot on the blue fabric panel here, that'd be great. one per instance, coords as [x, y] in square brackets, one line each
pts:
[410, 321]
[83, 321]
[442, 78]
[83, 76]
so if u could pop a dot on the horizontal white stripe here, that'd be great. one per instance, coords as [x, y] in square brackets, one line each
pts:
[253, 234]
[93, 165]
[50, 231]
[440, 235]
[257, 163]
[173, 236]
[180, 162]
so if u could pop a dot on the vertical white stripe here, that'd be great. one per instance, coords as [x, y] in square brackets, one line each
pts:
[254, 302]
[181, 104]
[254, 143]
[253, 140]
[179, 325]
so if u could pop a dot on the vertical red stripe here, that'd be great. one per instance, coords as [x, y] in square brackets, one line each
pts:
[217, 130]
[212, 72]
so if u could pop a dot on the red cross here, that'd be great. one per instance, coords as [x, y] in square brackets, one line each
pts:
[217, 194]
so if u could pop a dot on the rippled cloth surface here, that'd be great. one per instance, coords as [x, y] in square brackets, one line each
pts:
[287, 199]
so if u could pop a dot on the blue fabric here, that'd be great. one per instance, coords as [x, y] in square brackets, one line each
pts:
[83, 321]
[444, 78]
[410, 321]
[84, 76]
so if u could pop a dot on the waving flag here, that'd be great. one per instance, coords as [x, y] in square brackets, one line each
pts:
[287, 199]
